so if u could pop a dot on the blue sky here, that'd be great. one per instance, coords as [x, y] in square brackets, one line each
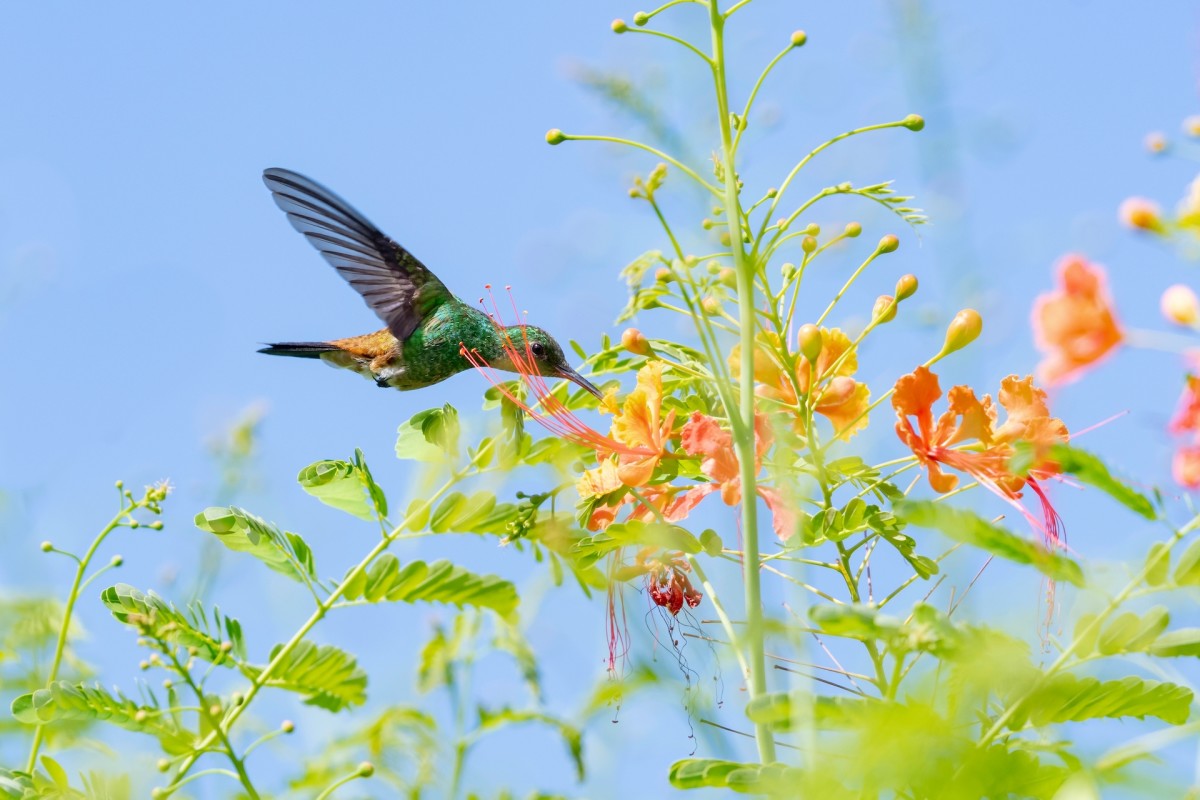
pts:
[142, 261]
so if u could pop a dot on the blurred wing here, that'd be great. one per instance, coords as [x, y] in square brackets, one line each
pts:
[397, 287]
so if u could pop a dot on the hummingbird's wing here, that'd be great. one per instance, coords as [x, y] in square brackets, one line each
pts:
[397, 287]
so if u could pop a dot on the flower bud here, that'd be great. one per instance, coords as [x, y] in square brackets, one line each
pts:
[726, 239]
[808, 244]
[47, 546]
[662, 275]
[885, 309]
[1141, 214]
[888, 244]
[812, 229]
[287, 726]
[906, 287]
[133, 523]
[619, 26]
[788, 271]
[772, 193]
[1179, 305]
[810, 341]
[799, 38]
[707, 224]
[641, 18]
[163, 765]
[963, 329]
[156, 525]
[914, 122]
[711, 306]
[635, 342]
[116, 561]
[727, 277]
[1191, 125]
[1155, 143]
[366, 769]
[852, 230]
[555, 136]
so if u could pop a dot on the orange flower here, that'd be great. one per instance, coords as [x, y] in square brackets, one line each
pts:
[1075, 326]
[829, 386]
[935, 443]
[1187, 416]
[703, 436]
[640, 427]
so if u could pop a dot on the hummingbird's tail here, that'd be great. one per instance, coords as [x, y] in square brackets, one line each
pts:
[300, 349]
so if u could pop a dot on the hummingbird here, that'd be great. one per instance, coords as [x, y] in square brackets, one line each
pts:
[430, 334]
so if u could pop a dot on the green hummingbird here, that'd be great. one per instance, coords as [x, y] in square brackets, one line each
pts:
[430, 333]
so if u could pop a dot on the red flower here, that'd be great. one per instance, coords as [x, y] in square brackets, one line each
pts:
[1075, 326]
[669, 586]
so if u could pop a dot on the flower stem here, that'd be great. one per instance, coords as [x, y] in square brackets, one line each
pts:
[743, 432]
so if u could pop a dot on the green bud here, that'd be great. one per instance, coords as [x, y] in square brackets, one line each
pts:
[914, 122]
[143, 665]
[641, 18]
[808, 244]
[116, 561]
[663, 275]
[726, 239]
[163, 765]
[47, 547]
[619, 26]
[812, 229]
[707, 224]
[555, 136]
[156, 525]
[288, 726]
[788, 271]
[772, 193]
[963, 329]
[846, 186]
[366, 769]
[120, 484]
[710, 306]
[810, 340]
[158, 792]
[168, 683]
[727, 277]
[852, 230]
[133, 523]
[713, 267]
[799, 38]
[888, 244]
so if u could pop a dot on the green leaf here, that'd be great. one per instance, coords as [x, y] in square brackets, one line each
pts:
[328, 676]
[781, 709]
[590, 549]
[1187, 573]
[711, 542]
[62, 701]
[1129, 633]
[241, 531]
[1181, 642]
[191, 629]
[967, 527]
[1158, 564]
[696, 773]
[345, 486]
[1091, 470]
[56, 773]
[431, 435]
[439, 582]
[854, 621]
[1066, 698]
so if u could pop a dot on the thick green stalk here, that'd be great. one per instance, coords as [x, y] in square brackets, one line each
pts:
[743, 432]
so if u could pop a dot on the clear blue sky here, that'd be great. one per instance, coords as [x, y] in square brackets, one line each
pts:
[142, 261]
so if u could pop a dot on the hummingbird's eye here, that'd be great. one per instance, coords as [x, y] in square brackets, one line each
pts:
[537, 349]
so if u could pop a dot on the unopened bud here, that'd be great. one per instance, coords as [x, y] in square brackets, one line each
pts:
[116, 561]
[555, 136]
[47, 546]
[1155, 143]
[885, 309]
[799, 38]
[635, 342]
[619, 26]
[1179, 305]
[168, 683]
[772, 193]
[236, 698]
[1141, 214]
[906, 287]
[707, 224]
[287, 726]
[156, 525]
[788, 271]
[1191, 125]
[808, 244]
[713, 267]
[812, 229]
[888, 244]
[711, 306]
[852, 230]
[157, 792]
[143, 665]
[726, 239]
[963, 329]
[641, 18]
[163, 765]
[133, 523]
[366, 769]
[914, 122]
[214, 710]
[810, 341]
[727, 277]
[662, 275]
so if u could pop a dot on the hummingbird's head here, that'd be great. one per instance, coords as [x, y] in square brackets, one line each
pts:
[534, 347]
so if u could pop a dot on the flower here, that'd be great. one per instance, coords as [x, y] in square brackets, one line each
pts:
[703, 436]
[825, 381]
[639, 427]
[668, 585]
[939, 443]
[1075, 326]
[1186, 466]
[1187, 415]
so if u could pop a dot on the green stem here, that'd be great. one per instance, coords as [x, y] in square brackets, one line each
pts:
[238, 763]
[60, 646]
[743, 433]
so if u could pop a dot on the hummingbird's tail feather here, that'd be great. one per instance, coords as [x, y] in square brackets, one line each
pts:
[300, 349]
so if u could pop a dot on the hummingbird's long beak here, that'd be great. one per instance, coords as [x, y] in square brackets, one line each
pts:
[575, 377]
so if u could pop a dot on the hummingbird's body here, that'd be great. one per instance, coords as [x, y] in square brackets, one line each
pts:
[427, 327]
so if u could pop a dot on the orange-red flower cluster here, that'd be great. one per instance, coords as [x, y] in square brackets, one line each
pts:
[1075, 325]
[966, 437]
[1185, 466]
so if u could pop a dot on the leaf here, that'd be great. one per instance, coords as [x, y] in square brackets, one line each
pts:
[431, 435]
[345, 486]
[328, 676]
[967, 527]
[591, 549]
[1129, 633]
[439, 582]
[1091, 470]
[696, 773]
[781, 709]
[63, 701]
[190, 629]
[239, 530]
[1158, 563]
[1187, 572]
[854, 621]
[1066, 698]
[1181, 642]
